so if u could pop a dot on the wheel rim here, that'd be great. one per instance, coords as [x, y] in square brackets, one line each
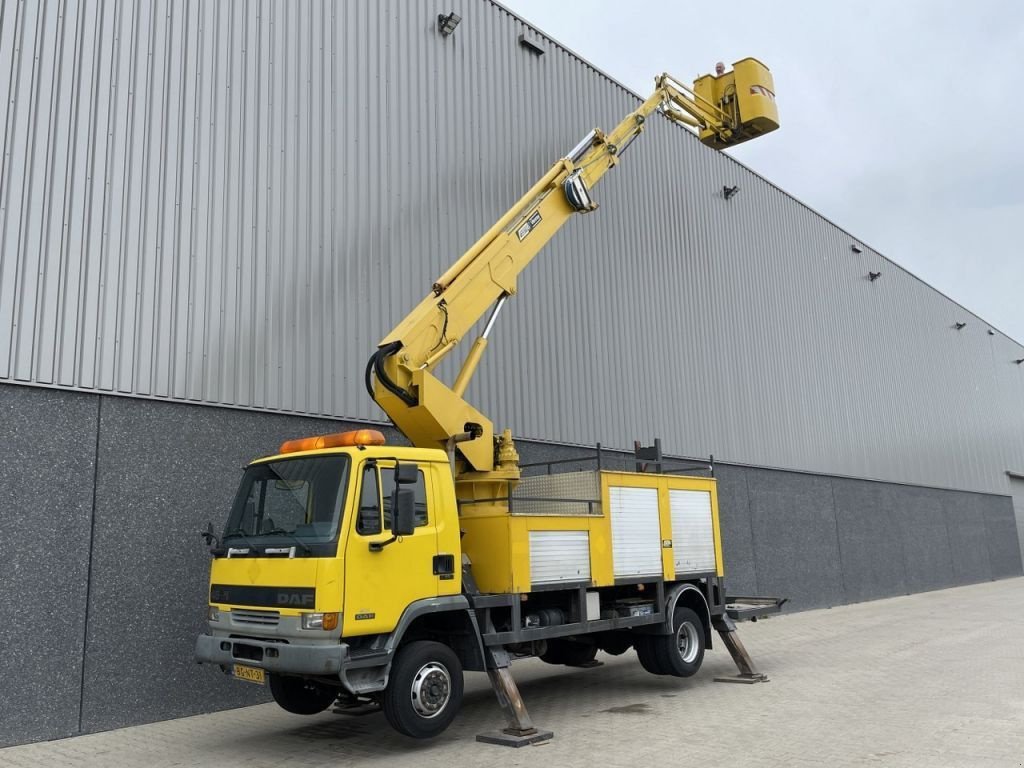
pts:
[431, 690]
[687, 642]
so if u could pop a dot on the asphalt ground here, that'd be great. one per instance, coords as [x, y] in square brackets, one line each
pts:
[933, 679]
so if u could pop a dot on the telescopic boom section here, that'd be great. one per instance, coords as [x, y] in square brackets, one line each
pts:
[399, 375]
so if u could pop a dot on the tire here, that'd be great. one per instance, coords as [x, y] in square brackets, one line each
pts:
[616, 645]
[553, 653]
[570, 653]
[681, 653]
[424, 690]
[301, 697]
[645, 651]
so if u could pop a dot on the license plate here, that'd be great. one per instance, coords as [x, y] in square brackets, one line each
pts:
[250, 674]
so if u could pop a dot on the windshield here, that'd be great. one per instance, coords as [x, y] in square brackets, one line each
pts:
[295, 502]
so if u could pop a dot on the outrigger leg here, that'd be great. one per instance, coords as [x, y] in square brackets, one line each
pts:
[748, 673]
[520, 730]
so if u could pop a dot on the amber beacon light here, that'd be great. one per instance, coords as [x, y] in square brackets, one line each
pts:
[336, 440]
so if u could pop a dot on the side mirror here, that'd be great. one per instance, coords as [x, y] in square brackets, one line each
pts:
[403, 512]
[406, 474]
[210, 537]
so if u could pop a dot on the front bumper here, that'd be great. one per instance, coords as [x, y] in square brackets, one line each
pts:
[285, 658]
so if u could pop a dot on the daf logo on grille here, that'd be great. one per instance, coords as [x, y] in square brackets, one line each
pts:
[299, 601]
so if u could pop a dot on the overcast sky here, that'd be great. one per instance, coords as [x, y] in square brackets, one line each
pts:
[902, 122]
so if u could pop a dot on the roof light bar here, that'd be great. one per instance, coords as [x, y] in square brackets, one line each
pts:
[356, 437]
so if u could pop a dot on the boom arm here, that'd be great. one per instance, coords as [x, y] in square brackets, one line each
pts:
[432, 414]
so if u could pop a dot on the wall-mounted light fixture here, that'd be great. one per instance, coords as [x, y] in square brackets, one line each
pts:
[1019, 360]
[872, 276]
[728, 192]
[991, 332]
[856, 248]
[446, 23]
[531, 44]
[959, 326]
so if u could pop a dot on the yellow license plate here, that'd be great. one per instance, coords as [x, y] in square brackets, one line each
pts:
[250, 674]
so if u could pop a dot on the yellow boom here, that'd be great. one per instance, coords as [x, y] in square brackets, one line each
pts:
[727, 109]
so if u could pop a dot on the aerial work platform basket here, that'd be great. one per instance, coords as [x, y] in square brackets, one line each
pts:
[746, 96]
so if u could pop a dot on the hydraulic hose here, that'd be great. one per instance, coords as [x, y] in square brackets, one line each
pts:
[376, 365]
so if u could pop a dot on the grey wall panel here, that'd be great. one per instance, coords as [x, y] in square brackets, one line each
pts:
[164, 470]
[46, 466]
[925, 534]
[230, 203]
[796, 548]
[1017, 493]
[737, 532]
[1001, 531]
[968, 537]
[870, 541]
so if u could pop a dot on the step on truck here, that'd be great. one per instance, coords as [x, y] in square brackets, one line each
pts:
[362, 575]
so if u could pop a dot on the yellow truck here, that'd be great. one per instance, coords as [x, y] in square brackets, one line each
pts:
[366, 575]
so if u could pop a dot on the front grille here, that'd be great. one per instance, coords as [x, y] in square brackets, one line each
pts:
[255, 618]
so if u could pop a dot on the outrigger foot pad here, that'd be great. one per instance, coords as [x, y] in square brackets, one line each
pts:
[519, 730]
[759, 677]
[508, 738]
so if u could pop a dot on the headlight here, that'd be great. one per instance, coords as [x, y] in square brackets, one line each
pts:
[213, 613]
[324, 621]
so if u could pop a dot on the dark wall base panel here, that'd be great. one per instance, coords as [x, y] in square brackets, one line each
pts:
[46, 486]
[112, 493]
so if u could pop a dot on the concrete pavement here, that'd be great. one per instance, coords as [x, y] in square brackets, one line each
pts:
[933, 679]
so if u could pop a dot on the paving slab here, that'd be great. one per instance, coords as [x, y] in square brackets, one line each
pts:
[932, 679]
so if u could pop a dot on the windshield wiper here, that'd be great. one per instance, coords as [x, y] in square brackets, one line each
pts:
[290, 535]
[238, 533]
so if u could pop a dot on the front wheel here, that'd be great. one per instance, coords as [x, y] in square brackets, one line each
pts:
[301, 697]
[424, 690]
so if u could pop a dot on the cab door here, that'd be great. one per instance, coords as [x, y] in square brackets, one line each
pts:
[381, 580]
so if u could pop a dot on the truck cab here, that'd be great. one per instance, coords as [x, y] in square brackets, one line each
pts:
[313, 573]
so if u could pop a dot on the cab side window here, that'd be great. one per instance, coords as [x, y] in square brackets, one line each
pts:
[387, 482]
[368, 519]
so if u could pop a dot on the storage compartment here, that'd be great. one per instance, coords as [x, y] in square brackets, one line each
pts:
[557, 556]
[592, 528]
[693, 531]
[636, 531]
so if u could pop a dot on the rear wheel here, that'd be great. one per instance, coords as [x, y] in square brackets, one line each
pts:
[424, 690]
[301, 697]
[645, 651]
[681, 653]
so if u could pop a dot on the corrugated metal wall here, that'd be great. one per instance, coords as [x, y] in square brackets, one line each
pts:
[231, 202]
